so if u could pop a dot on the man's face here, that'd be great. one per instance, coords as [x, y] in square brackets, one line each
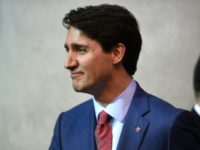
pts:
[90, 67]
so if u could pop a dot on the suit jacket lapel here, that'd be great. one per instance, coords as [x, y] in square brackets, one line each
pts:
[135, 125]
[87, 127]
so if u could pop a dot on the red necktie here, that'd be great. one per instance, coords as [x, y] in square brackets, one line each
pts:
[103, 132]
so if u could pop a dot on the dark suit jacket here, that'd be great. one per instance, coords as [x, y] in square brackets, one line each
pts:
[163, 127]
[196, 117]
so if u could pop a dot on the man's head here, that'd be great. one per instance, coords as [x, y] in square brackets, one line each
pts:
[196, 81]
[109, 25]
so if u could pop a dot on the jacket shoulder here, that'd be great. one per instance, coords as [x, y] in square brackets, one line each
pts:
[78, 110]
[163, 109]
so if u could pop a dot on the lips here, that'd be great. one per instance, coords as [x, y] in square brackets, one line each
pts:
[75, 75]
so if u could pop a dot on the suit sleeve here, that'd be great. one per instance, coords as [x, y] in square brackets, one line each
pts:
[56, 139]
[185, 134]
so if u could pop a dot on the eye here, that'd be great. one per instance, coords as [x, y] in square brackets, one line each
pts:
[81, 50]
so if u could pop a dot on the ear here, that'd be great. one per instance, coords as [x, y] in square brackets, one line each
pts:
[118, 53]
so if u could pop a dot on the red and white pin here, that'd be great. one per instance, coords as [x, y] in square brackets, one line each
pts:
[138, 129]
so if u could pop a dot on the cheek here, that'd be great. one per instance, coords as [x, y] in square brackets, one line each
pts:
[101, 67]
[95, 66]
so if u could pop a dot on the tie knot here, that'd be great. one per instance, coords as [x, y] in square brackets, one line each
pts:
[103, 118]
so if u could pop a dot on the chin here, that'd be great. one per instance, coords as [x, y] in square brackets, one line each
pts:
[82, 89]
[78, 88]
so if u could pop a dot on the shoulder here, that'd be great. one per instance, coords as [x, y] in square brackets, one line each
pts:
[185, 133]
[155, 105]
[163, 112]
[162, 106]
[75, 115]
[153, 108]
[78, 110]
[179, 122]
[68, 124]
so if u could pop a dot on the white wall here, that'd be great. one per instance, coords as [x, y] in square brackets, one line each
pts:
[35, 87]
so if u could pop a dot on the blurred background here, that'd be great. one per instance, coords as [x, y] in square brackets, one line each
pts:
[35, 87]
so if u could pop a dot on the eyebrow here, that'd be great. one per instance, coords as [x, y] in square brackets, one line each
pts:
[75, 46]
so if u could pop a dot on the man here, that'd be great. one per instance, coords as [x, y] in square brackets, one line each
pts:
[103, 45]
[196, 83]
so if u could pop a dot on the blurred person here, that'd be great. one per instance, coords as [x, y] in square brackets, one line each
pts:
[103, 44]
[196, 82]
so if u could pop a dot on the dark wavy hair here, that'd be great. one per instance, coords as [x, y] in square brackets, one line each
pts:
[109, 25]
[196, 81]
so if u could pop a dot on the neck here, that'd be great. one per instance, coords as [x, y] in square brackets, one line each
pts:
[112, 89]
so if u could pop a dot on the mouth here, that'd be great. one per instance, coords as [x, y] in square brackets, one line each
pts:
[75, 75]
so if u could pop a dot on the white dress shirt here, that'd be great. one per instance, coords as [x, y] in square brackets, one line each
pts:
[117, 109]
[197, 109]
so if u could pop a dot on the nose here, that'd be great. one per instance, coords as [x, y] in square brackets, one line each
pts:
[71, 61]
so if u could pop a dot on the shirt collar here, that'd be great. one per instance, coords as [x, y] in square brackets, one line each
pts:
[197, 109]
[119, 106]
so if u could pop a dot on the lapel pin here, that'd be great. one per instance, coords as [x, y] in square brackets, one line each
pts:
[138, 129]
